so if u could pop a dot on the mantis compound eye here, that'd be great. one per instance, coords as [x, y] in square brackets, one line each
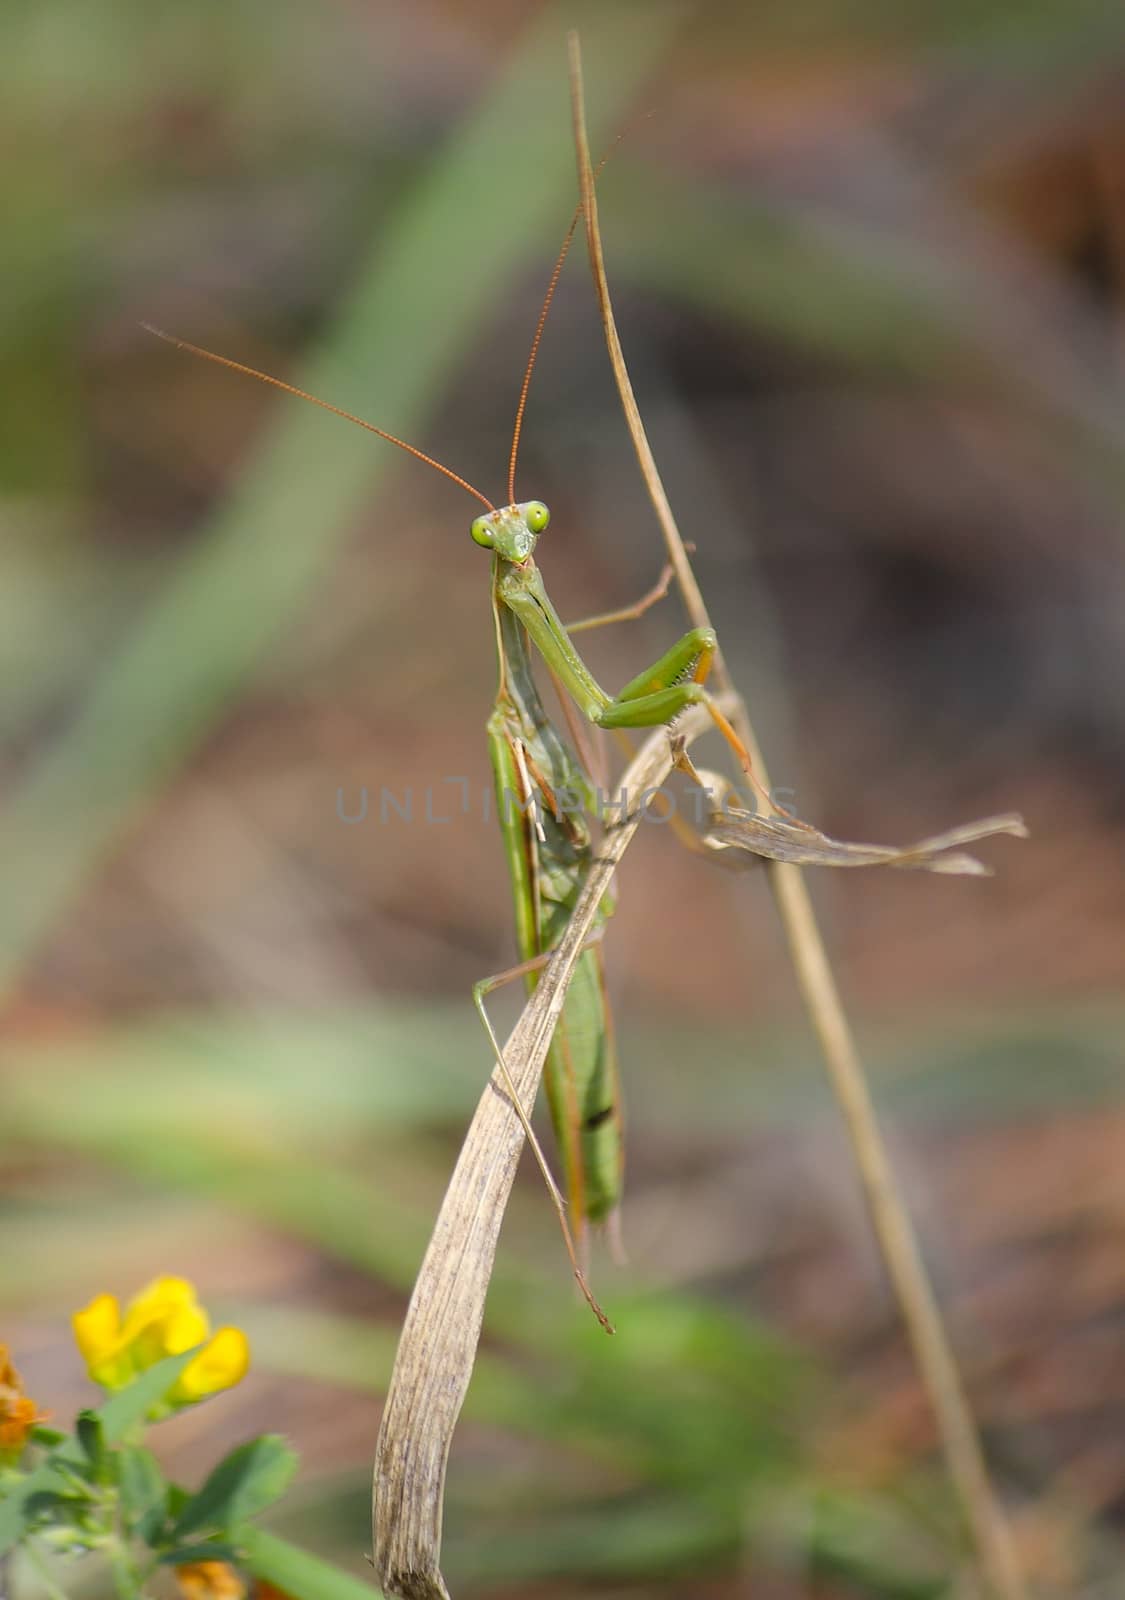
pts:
[481, 533]
[537, 516]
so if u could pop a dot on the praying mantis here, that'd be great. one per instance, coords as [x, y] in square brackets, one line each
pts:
[545, 797]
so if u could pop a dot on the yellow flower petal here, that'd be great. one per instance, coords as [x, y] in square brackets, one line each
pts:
[185, 1326]
[209, 1580]
[156, 1301]
[151, 1313]
[164, 1319]
[222, 1364]
[97, 1328]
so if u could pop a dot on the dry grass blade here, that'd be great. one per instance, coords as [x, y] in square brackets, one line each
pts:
[890, 1220]
[439, 1337]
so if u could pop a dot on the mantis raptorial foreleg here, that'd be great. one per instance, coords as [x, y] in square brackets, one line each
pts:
[658, 695]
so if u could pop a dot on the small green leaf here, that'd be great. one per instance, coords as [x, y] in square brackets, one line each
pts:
[15, 1515]
[48, 1437]
[124, 1410]
[89, 1433]
[243, 1483]
[49, 1505]
[144, 1493]
[178, 1498]
[208, 1550]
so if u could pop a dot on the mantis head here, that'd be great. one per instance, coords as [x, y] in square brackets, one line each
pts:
[512, 531]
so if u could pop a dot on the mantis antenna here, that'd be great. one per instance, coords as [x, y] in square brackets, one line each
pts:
[392, 438]
[521, 405]
[325, 405]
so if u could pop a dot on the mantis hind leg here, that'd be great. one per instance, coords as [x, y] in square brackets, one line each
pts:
[483, 988]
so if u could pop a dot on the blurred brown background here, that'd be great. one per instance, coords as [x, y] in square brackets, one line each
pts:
[869, 265]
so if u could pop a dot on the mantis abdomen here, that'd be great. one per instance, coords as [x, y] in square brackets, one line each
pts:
[582, 1083]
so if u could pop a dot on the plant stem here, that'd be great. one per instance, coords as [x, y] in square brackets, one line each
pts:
[890, 1219]
[42, 1570]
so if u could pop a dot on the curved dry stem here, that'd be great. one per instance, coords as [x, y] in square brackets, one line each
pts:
[439, 1337]
[890, 1219]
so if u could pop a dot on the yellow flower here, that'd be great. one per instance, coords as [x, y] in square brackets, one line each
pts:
[209, 1580]
[18, 1414]
[165, 1319]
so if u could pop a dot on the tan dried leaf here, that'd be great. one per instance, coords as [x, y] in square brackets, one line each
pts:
[732, 828]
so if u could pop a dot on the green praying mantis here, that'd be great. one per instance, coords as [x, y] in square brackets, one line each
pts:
[545, 797]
